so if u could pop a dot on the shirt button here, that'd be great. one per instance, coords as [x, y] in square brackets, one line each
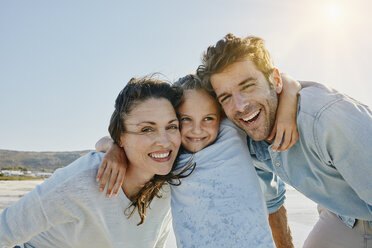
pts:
[277, 164]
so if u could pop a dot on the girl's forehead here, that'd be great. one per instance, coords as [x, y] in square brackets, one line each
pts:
[198, 102]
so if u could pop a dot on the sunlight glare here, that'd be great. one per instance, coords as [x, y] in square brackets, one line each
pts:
[333, 12]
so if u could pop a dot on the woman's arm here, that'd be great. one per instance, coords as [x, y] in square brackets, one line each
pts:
[45, 206]
[285, 127]
[113, 166]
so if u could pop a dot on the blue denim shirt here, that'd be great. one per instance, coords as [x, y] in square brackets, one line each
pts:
[330, 162]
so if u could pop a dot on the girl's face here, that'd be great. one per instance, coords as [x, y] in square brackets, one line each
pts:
[200, 119]
[152, 138]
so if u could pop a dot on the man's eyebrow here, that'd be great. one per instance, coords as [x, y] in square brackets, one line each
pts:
[245, 81]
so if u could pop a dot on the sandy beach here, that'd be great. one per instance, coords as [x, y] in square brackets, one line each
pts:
[302, 212]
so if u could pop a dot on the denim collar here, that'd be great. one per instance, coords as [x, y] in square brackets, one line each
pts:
[259, 148]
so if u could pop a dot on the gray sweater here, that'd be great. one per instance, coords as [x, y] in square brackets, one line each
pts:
[67, 210]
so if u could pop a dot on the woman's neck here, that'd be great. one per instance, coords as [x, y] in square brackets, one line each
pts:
[134, 181]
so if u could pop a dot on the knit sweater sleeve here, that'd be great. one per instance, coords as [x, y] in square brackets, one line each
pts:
[49, 204]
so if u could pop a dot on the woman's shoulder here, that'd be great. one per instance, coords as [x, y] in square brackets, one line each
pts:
[80, 173]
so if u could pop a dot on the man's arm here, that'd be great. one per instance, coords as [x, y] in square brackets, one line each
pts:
[344, 141]
[274, 192]
[280, 229]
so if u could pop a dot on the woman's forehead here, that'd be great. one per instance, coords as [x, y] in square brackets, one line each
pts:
[152, 111]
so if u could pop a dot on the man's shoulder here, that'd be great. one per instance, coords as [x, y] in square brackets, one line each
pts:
[316, 98]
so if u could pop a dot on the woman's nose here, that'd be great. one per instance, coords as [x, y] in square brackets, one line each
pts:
[163, 139]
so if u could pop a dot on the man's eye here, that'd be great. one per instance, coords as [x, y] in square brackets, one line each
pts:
[185, 119]
[224, 99]
[248, 86]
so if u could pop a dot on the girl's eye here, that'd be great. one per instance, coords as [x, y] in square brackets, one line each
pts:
[208, 118]
[185, 119]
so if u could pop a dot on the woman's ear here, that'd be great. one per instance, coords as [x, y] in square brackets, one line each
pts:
[121, 140]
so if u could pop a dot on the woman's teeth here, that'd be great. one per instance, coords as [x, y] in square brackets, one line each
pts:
[159, 155]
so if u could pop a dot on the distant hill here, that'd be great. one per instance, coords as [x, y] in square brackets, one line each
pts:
[38, 161]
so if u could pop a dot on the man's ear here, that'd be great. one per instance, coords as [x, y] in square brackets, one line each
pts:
[278, 84]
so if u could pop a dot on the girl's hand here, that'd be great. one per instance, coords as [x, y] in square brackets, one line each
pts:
[112, 168]
[285, 127]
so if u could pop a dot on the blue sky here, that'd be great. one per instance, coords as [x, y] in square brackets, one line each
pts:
[62, 63]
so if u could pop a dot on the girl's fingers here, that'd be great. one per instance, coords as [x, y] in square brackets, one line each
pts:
[278, 139]
[119, 182]
[111, 181]
[101, 169]
[104, 179]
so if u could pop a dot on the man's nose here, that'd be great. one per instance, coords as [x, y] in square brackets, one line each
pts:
[240, 103]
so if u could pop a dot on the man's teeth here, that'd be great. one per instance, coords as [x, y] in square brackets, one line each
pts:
[159, 155]
[251, 116]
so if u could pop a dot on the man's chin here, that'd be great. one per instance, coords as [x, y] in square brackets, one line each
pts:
[256, 136]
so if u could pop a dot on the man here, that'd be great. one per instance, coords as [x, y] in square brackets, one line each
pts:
[330, 161]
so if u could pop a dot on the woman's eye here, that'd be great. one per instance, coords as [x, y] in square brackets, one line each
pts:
[173, 127]
[185, 119]
[147, 130]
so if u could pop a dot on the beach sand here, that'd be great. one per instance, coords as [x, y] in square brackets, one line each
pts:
[302, 212]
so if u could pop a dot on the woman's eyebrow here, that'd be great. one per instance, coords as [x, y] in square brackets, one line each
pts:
[173, 121]
[151, 122]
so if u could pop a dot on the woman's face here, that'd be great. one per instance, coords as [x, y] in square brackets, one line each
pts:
[152, 138]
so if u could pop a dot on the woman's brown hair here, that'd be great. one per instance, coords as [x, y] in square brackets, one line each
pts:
[135, 92]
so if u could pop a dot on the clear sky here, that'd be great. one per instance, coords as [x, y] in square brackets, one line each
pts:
[62, 63]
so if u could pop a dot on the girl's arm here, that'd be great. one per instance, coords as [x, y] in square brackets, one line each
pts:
[285, 127]
[113, 166]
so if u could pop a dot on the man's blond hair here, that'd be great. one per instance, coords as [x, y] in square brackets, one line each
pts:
[232, 49]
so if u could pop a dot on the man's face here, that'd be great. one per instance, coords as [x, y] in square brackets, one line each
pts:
[247, 99]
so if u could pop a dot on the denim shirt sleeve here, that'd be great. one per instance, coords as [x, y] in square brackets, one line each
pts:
[343, 136]
[273, 189]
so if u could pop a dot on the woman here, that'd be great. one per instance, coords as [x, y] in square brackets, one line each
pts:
[68, 210]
